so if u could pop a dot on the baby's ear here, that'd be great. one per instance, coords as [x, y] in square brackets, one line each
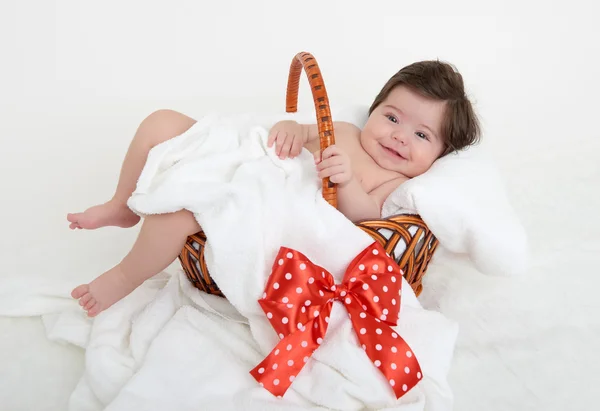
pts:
[447, 150]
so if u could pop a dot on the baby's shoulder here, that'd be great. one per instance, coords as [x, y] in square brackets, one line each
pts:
[347, 136]
[344, 129]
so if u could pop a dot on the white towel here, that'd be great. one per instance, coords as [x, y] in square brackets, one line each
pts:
[250, 203]
[169, 346]
[462, 200]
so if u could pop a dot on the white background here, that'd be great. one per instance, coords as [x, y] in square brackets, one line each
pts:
[76, 78]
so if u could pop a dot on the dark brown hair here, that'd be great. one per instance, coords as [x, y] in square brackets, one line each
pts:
[439, 81]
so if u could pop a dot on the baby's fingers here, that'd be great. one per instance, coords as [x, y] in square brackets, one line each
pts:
[330, 162]
[337, 174]
[271, 138]
[317, 156]
[296, 146]
[331, 171]
[279, 142]
[331, 151]
[286, 149]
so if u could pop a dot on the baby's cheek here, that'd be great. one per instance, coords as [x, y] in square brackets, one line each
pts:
[421, 165]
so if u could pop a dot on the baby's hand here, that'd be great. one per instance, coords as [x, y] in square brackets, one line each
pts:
[288, 137]
[335, 164]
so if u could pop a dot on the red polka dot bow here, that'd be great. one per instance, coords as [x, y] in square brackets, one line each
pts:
[298, 300]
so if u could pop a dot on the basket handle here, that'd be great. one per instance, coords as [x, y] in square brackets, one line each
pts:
[324, 122]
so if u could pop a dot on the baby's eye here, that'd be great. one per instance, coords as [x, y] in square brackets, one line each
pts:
[421, 135]
[392, 118]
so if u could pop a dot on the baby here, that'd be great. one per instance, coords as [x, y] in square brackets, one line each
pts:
[420, 115]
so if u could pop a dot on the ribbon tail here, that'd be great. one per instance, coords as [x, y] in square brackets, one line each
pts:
[390, 354]
[279, 369]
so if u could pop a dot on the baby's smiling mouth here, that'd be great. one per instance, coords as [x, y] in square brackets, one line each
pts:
[393, 152]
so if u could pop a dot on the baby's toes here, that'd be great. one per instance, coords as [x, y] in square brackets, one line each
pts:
[90, 304]
[95, 310]
[85, 299]
[80, 291]
[73, 217]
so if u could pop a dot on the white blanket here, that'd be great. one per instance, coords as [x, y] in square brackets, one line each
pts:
[463, 201]
[173, 347]
[169, 346]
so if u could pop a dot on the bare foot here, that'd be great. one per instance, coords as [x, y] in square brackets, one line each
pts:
[104, 291]
[111, 213]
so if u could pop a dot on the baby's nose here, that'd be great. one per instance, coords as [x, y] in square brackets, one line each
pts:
[400, 137]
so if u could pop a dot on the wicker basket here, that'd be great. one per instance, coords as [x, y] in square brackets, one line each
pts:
[404, 237]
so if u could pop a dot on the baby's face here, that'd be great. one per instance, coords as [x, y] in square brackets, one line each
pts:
[403, 132]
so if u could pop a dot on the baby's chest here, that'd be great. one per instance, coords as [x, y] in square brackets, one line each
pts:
[365, 169]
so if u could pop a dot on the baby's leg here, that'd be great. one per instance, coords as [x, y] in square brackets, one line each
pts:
[160, 241]
[158, 127]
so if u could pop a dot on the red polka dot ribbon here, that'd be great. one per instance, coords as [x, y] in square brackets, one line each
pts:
[298, 300]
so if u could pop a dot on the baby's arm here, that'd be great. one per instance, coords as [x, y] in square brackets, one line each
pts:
[289, 137]
[312, 130]
[353, 201]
